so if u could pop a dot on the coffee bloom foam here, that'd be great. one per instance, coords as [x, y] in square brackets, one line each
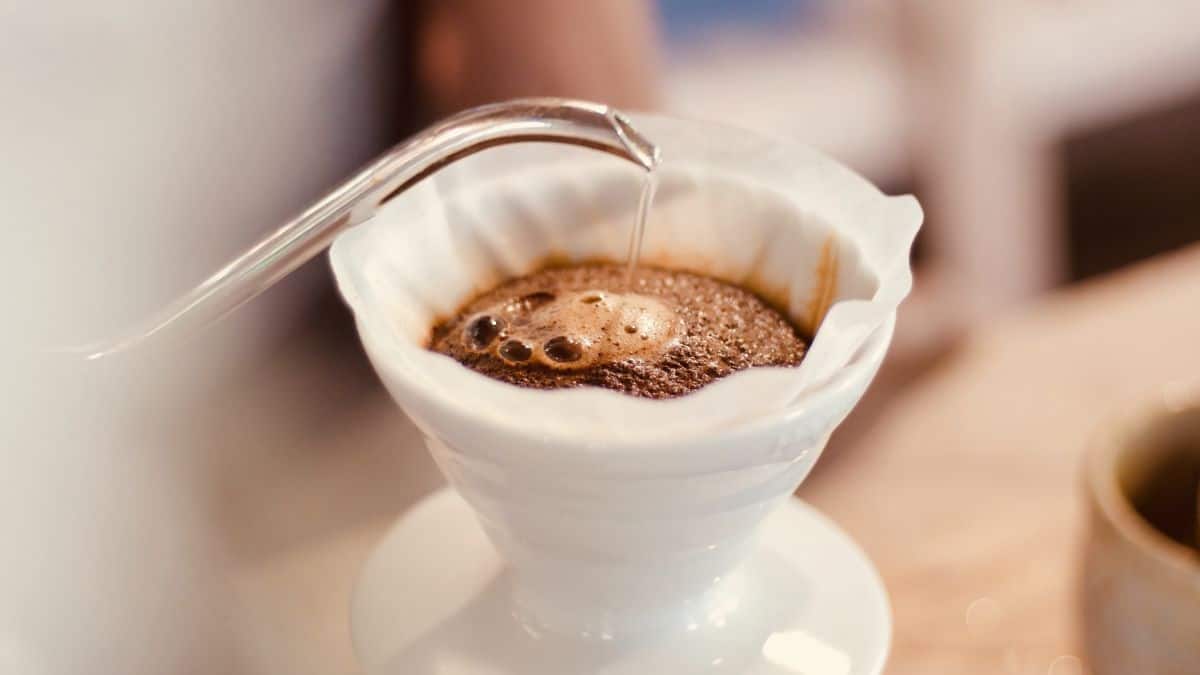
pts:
[576, 330]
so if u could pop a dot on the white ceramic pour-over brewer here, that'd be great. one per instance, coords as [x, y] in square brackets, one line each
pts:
[629, 528]
[623, 520]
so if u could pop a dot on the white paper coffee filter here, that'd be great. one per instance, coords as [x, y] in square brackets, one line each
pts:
[787, 221]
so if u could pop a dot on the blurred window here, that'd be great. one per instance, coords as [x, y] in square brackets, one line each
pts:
[685, 20]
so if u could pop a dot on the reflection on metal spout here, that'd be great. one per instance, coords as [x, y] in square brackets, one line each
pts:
[552, 120]
[636, 145]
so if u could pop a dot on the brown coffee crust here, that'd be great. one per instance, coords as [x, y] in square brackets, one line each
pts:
[724, 329]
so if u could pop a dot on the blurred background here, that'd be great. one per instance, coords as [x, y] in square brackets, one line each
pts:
[205, 507]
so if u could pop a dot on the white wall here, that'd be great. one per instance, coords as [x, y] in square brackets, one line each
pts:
[141, 144]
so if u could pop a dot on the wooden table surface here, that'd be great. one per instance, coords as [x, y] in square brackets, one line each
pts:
[963, 484]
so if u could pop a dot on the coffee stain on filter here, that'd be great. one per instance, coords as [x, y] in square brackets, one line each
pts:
[824, 286]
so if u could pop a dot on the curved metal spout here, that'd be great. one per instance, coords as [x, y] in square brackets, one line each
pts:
[304, 237]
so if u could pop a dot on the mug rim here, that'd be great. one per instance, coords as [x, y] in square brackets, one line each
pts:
[1111, 503]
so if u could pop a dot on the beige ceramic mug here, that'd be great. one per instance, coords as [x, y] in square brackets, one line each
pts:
[1141, 586]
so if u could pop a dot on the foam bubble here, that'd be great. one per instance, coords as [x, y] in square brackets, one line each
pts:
[563, 349]
[482, 331]
[574, 330]
[515, 351]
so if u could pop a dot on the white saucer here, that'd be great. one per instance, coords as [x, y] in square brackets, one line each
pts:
[434, 598]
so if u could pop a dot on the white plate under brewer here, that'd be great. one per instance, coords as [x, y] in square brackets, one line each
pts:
[434, 598]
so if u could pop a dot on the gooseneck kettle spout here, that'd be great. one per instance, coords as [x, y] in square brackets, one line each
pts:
[308, 234]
